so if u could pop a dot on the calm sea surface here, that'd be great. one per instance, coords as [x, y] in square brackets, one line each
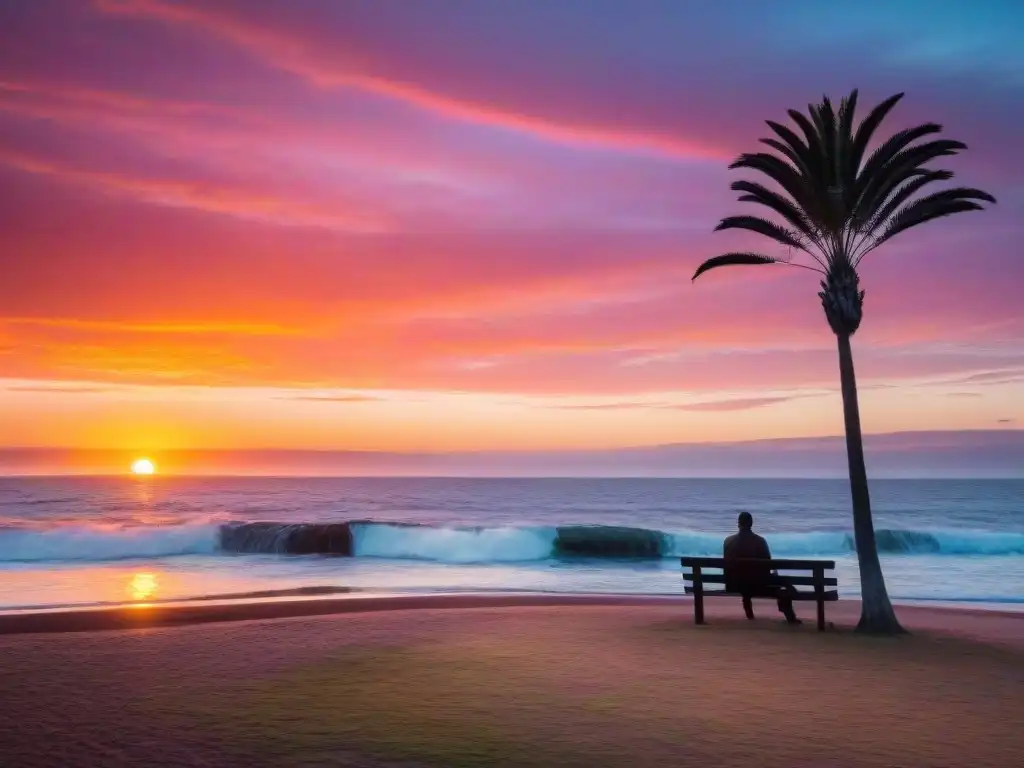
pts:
[90, 541]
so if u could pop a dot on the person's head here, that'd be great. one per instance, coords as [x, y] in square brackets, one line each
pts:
[745, 521]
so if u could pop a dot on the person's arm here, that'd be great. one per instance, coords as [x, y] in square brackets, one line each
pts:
[727, 545]
[766, 552]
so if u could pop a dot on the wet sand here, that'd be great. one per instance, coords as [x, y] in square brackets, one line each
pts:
[511, 680]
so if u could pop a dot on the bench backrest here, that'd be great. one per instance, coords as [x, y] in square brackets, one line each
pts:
[817, 579]
[781, 565]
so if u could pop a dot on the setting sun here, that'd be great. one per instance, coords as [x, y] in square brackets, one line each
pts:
[143, 467]
[142, 586]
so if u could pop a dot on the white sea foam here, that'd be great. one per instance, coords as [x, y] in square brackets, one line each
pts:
[979, 542]
[81, 543]
[452, 545]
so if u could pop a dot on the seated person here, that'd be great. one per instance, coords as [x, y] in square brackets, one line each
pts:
[755, 579]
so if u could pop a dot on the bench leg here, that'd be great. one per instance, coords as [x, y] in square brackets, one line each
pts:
[819, 593]
[698, 597]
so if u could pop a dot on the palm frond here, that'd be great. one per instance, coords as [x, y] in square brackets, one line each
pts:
[899, 169]
[815, 150]
[783, 174]
[782, 148]
[734, 259]
[811, 135]
[831, 192]
[920, 154]
[944, 203]
[919, 179]
[868, 127]
[900, 194]
[824, 118]
[763, 227]
[845, 170]
[787, 209]
[790, 138]
[890, 149]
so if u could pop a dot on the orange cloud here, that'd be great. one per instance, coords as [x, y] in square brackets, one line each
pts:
[58, 389]
[232, 329]
[334, 398]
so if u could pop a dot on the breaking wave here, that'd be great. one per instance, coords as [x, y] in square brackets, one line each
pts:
[458, 544]
[73, 543]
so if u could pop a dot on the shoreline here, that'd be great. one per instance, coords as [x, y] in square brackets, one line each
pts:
[842, 614]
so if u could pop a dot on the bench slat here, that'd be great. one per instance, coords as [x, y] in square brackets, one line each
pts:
[830, 595]
[793, 565]
[800, 581]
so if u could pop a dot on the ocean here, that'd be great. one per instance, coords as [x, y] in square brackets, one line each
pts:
[84, 541]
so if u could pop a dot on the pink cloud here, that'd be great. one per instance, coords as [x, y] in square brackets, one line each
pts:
[738, 404]
[322, 66]
[469, 67]
[336, 171]
[236, 201]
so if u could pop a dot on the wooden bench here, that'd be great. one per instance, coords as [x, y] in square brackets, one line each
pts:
[698, 578]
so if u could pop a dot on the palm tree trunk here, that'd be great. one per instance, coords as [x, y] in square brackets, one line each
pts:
[877, 615]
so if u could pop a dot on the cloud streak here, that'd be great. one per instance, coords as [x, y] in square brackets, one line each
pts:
[407, 55]
[334, 398]
[56, 389]
[711, 406]
[208, 197]
[290, 54]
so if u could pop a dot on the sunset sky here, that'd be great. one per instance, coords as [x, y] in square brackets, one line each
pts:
[458, 225]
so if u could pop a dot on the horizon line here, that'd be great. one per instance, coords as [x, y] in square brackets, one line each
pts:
[427, 452]
[945, 477]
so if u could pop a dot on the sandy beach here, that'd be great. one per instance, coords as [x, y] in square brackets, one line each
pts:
[508, 680]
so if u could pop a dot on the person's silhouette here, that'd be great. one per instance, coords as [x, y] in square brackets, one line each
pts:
[753, 579]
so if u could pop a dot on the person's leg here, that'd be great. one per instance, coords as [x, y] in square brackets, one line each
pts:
[748, 607]
[785, 592]
[786, 604]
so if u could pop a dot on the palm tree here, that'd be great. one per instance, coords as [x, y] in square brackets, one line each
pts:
[833, 204]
